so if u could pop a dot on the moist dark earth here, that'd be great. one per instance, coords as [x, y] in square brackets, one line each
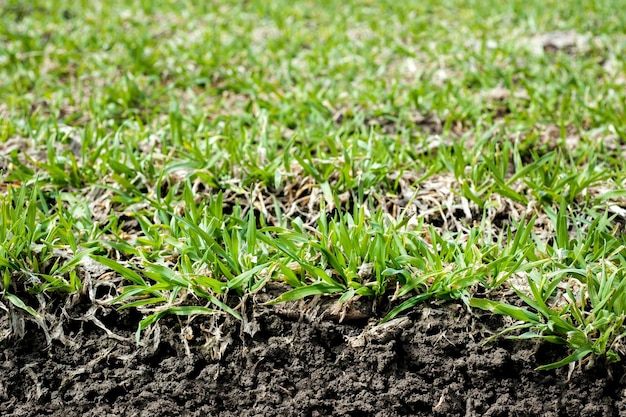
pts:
[278, 362]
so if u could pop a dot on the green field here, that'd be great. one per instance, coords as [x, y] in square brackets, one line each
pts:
[174, 157]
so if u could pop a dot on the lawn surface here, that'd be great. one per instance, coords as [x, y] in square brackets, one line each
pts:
[353, 159]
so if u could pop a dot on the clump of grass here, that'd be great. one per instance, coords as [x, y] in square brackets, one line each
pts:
[577, 297]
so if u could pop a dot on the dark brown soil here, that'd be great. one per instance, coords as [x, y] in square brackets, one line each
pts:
[430, 363]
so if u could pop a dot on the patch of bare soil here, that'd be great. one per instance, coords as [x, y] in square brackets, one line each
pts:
[430, 363]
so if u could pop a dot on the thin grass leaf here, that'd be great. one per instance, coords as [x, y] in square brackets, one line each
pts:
[410, 303]
[578, 355]
[125, 272]
[17, 302]
[505, 309]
